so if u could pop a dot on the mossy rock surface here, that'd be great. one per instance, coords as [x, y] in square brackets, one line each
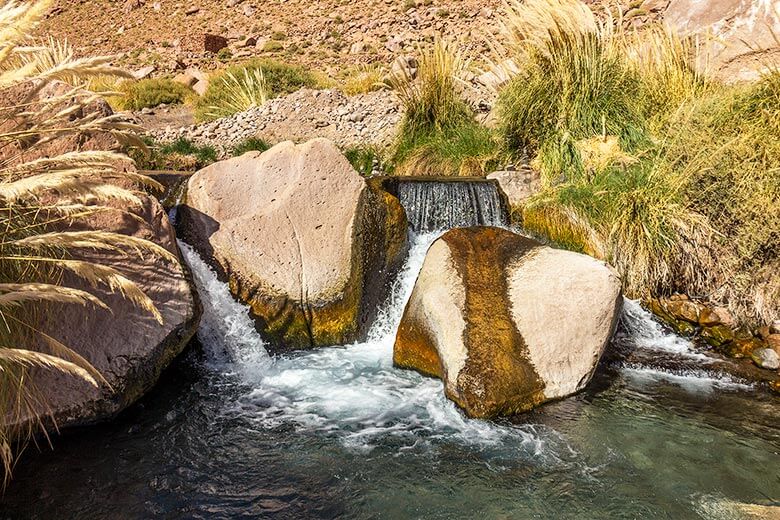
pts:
[502, 320]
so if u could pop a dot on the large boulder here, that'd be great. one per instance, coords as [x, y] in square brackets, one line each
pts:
[301, 238]
[506, 322]
[741, 34]
[126, 344]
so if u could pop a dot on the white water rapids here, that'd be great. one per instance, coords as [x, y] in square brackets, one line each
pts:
[355, 393]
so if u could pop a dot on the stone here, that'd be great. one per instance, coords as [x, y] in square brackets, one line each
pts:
[248, 10]
[717, 335]
[200, 87]
[359, 47]
[517, 185]
[741, 348]
[81, 106]
[143, 72]
[127, 345]
[774, 328]
[773, 342]
[506, 322]
[709, 317]
[191, 10]
[301, 238]
[132, 5]
[214, 43]
[186, 78]
[743, 40]
[404, 67]
[766, 358]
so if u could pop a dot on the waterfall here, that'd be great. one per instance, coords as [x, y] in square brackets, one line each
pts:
[437, 204]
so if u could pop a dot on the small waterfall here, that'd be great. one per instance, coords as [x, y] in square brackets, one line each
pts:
[444, 204]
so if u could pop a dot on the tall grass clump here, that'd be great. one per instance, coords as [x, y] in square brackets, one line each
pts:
[438, 134]
[149, 93]
[573, 84]
[41, 194]
[239, 87]
[646, 162]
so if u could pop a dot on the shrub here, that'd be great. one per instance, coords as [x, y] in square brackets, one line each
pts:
[431, 101]
[671, 177]
[237, 94]
[149, 93]
[248, 145]
[467, 149]
[438, 134]
[273, 46]
[573, 84]
[364, 79]
[278, 78]
[180, 155]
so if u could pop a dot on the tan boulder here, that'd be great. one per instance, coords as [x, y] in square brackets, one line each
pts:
[517, 185]
[506, 322]
[126, 344]
[742, 41]
[301, 237]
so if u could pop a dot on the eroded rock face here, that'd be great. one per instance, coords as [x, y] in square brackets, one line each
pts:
[744, 42]
[506, 322]
[300, 236]
[126, 345]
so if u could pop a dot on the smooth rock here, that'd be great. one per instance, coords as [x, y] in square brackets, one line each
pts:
[506, 322]
[301, 237]
[766, 358]
[517, 185]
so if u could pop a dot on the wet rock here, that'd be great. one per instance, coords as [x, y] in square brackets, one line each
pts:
[301, 237]
[766, 358]
[718, 335]
[506, 322]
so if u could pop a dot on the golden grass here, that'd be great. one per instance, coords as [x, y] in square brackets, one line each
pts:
[668, 175]
[39, 197]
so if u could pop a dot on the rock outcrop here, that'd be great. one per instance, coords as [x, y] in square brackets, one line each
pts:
[126, 344]
[742, 34]
[518, 185]
[506, 322]
[301, 238]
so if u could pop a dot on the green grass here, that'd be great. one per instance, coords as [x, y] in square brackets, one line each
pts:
[438, 133]
[180, 155]
[671, 177]
[363, 158]
[249, 145]
[149, 93]
[279, 79]
[465, 149]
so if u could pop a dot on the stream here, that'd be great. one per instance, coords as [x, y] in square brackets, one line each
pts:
[233, 432]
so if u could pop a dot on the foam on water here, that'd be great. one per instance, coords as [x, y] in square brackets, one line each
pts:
[646, 333]
[694, 381]
[352, 392]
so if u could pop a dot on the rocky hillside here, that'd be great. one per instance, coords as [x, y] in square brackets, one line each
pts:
[170, 33]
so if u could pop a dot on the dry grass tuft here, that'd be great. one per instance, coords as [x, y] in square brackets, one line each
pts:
[38, 198]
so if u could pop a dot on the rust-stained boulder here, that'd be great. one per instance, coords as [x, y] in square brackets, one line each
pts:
[506, 322]
[301, 237]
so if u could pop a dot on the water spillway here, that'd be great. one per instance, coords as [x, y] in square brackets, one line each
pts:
[433, 203]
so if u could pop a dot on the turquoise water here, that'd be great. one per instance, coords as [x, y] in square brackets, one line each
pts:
[233, 432]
